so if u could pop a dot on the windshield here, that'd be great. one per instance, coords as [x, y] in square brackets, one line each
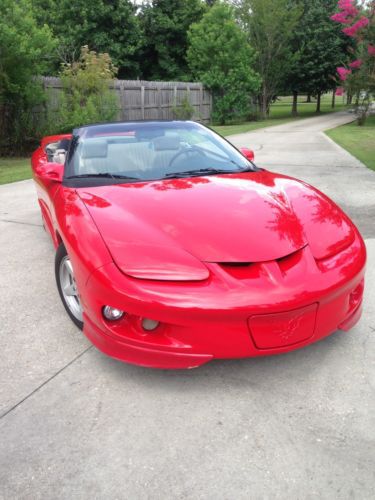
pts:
[144, 151]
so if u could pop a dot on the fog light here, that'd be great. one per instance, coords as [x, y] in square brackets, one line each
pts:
[112, 314]
[356, 295]
[149, 324]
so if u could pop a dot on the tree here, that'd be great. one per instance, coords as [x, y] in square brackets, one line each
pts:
[269, 25]
[86, 97]
[359, 78]
[24, 51]
[110, 26]
[319, 47]
[165, 26]
[220, 56]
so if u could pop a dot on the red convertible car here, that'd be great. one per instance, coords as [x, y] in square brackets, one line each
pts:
[173, 248]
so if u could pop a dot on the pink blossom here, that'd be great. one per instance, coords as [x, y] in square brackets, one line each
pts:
[347, 7]
[356, 64]
[371, 50]
[341, 18]
[352, 30]
[344, 4]
[339, 91]
[343, 73]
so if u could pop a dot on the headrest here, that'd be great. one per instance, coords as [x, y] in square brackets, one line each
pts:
[64, 144]
[166, 143]
[94, 148]
[147, 134]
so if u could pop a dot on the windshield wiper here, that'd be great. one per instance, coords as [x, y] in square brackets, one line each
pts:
[200, 171]
[105, 175]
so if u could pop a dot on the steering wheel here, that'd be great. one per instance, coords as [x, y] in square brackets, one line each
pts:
[185, 151]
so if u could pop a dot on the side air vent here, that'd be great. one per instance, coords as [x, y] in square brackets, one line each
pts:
[234, 264]
[239, 270]
[288, 261]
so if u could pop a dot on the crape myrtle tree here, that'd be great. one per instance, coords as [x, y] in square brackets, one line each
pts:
[357, 21]
[24, 50]
[107, 26]
[220, 56]
[318, 47]
[269, 26]
[165, 25]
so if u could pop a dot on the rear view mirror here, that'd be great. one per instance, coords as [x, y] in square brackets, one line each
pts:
[248, 153]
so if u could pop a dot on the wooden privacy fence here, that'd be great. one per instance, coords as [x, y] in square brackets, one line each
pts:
[143, 100]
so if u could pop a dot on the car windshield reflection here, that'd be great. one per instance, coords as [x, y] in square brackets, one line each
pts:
[149, 151]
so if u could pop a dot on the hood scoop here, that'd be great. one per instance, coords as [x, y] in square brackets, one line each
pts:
[246, 270]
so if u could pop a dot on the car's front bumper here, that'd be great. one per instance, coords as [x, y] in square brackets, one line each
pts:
[203, 321]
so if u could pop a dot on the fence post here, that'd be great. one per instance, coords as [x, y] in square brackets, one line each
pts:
[159, 102]
[201, 102]
[143, 102]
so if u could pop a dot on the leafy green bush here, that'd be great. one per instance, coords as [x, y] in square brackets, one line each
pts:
[86, 96]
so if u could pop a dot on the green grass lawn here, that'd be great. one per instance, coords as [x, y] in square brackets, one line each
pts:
[14, 169]
[280, 113]
[359, 141]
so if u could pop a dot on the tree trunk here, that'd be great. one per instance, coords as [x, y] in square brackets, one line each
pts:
[318, 102]
[357, 99]
[308, 98]
[349, 98]
[294, 106]
[333, 98]
[263, 104]
[268, 107]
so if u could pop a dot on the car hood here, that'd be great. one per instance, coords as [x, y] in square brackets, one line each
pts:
[249, 217]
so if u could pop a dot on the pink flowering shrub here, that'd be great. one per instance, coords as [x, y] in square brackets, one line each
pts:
[339, 91]
[359, 24]
[348, 15]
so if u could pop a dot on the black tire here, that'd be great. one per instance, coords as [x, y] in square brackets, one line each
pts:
[61, 255]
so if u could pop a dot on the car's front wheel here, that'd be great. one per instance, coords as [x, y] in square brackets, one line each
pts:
[67, 286]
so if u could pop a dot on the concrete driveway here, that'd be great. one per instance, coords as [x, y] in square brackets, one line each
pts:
[76, 424]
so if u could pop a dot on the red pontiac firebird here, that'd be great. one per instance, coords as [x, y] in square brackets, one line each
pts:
[173, 248]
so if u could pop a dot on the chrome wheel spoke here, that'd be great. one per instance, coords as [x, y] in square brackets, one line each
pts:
[69, 288]
[68, 266]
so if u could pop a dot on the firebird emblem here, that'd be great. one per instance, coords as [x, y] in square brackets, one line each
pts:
[289, 328]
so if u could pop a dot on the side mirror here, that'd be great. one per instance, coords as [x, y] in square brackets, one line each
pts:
[248, 153]
[52, 171]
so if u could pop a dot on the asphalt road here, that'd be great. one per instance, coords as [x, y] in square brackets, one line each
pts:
[76, 424]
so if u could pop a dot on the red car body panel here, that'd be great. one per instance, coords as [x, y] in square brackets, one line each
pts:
[232, 265]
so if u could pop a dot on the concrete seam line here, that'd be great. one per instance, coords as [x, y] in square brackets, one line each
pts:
[20, 222]
[45, 382]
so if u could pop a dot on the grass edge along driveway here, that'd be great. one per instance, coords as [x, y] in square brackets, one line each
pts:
[358, 141]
